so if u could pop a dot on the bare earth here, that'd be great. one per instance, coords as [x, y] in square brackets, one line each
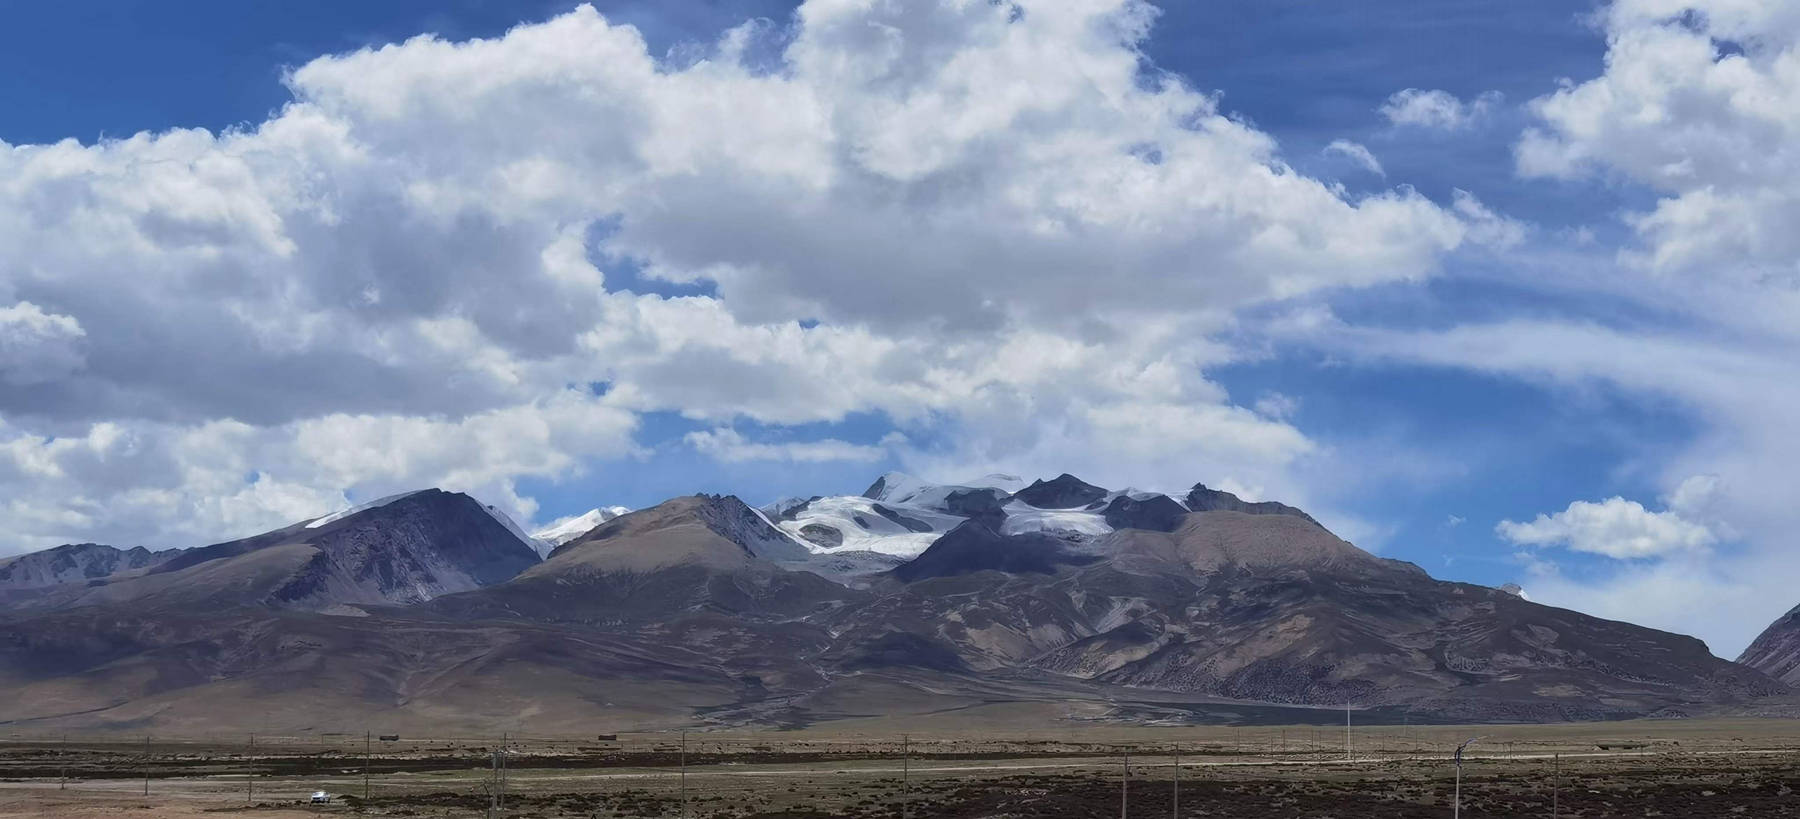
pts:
[1686, 768]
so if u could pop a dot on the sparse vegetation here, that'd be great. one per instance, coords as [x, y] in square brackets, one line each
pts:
[1688, 768]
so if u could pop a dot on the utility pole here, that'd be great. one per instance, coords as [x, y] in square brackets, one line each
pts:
[1456, 804]
[684, 804]
[1346, 732]
[1125, 786]
[367, 743]
[1176, 813]
[250, 772]
[65, 764]
[494, 784]
[905, 776]
[502, 768]
[1555, 786]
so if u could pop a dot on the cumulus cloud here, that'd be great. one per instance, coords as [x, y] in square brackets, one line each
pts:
[36, 346]
[1615, 527]
[1437, 109]
[1700, 102]
[200, 483]
[730, 446]
[414, 271]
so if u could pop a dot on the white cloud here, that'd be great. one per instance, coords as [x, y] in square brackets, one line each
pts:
[1486, 227]
[133, 483]
[1356, 152]
[1737, 386]
[1700, 102]
[399, 276]
[1277, 405]
[36, 346]
[730, 446]
[1615, 527]
[1437, 109]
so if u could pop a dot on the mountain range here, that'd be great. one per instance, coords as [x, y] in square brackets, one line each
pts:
[994, 599]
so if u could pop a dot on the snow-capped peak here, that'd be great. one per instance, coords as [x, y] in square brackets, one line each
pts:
[895, 487]
[563, 530]
[361, 507]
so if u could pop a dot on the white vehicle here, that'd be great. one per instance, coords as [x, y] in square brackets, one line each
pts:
[320, 798]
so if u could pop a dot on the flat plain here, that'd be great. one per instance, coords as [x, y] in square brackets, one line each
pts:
[1674, 768]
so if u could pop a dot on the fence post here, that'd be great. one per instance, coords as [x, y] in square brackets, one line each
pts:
[905, 776]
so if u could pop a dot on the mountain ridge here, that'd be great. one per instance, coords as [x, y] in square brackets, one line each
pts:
[1110, 598]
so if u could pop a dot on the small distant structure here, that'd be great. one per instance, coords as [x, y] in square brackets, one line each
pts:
[609, 737]
[320, 798]
[389, 737]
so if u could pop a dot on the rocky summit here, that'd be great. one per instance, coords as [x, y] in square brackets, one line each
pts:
[1043, 601]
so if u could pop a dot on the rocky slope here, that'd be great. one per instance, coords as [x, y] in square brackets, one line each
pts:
[75, 563]
[1776, 651]
[1058, 595]
[405, 549]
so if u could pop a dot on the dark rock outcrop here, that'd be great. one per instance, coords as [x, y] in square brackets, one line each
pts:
[1157, 513]
[1202, 499]
[973, 547]
[1065, 491]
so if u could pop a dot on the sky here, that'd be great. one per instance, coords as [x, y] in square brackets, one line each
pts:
[1506, 289]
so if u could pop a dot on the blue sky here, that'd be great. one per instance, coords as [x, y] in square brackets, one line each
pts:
[1423, 396]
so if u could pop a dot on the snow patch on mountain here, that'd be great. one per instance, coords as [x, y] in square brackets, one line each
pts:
[361, 507]
[857, 524]
[1023, 518]
[563, 530]
[897, 487]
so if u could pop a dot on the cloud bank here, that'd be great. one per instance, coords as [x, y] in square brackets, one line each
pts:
[440, 263]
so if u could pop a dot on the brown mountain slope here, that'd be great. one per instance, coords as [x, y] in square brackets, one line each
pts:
[1273, 608]
[695, 555]
[703, 597]
[1776, 651]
